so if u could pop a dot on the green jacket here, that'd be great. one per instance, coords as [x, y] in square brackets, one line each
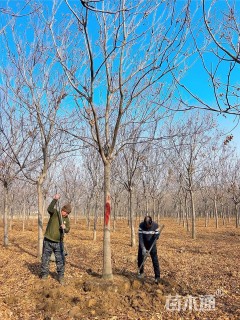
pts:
[53, 232]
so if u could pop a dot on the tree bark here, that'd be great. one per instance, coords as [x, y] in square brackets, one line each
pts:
[40, 216]
[5, 215]
[216, 212]
[193, 215]
[107, 262]
[95, 220]
[133, 239]
[236, 215]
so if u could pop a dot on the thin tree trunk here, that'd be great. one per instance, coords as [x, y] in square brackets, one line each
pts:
[24, 213]
[223, 215]
[5, 215]
[228, 214]
[95, 220]
[74, 212]
[216, 212]
[186, 214]
[158, 210]
[206, 218]
[193, 215]
[40, 217]
[147, 206]
[114, 214]
[236, 215]
[154, 209]
[133, 239]
[88, 215]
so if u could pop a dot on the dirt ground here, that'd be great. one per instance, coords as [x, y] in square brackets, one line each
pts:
[200, 279]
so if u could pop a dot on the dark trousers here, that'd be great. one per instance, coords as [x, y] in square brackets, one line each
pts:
[154, 257]
[58, 250]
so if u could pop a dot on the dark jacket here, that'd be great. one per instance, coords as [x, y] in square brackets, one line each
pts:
[53, 231]
[147, 235]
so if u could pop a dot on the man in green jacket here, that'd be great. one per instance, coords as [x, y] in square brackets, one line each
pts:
[58, 224]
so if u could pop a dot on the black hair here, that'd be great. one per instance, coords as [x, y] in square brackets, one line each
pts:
[148, 220]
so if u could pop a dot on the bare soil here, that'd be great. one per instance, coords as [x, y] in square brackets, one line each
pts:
[200, 279]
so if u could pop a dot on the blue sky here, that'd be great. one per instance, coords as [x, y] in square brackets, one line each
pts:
[196, 78]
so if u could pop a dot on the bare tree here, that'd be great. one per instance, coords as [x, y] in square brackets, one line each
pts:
[68, 181]
[217, 44]
[117, 188]
[216, 175]
[34, 82]
[129, 164]
[94, 177]
[114, 84]
[187, 154]
[154, 178]
[8, 14]
[15, 146]
[233, 179]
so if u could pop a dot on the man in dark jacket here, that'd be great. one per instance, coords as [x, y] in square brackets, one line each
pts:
[58, 224]
[148, 232]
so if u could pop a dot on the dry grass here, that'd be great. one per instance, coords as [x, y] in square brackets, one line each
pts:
[207, 266]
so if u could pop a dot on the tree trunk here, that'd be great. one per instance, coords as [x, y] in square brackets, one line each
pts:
[216, 212]
[114, 214]
[107, 263]
[236, 214]
[74, 212]
[228, 214]
[193, 215]
[133, 239]
[185, 219]
[88, 214]
[40, 216]
[24, 214]
[146, 201]
[154, 209]
[5, 215]
[10, 218]
[223, 215]
[95, 220]
[206, 218]
[158, 211]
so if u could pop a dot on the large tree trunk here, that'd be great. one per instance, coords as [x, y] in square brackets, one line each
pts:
[107, 262]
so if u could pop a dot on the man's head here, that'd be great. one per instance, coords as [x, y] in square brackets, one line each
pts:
[148, 221]
[66, 209]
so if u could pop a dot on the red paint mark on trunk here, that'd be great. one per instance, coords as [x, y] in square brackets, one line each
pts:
[107, 210]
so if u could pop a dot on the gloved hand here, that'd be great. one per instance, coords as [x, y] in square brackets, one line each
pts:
[144, 251]
[157, 236]
[63, 226]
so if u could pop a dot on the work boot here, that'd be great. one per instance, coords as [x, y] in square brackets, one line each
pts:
[157, 280]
